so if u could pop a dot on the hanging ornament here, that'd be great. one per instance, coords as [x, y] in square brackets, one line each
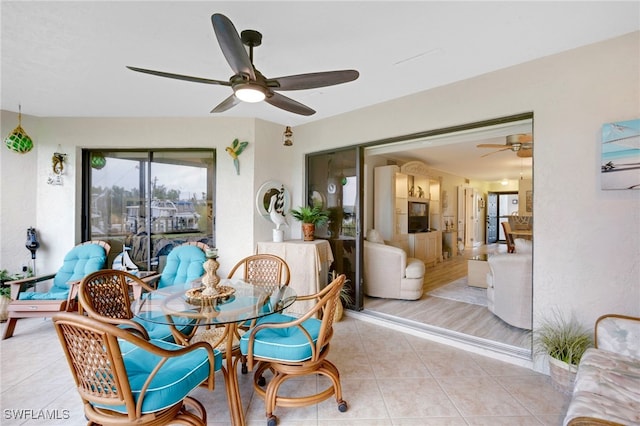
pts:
[97, 160]
[18, 140]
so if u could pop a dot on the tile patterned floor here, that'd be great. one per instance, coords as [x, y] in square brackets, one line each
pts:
[389, 378]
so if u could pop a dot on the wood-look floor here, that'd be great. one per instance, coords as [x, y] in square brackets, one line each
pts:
[466, 319]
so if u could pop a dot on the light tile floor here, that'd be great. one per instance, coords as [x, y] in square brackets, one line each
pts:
[389, 378]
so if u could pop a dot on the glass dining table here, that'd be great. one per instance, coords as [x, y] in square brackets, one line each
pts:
[237, 303]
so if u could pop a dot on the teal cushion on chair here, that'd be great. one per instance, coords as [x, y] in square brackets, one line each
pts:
[282, 344]
[175, 380]
[159, 331]
[79, 262]
[184, 264]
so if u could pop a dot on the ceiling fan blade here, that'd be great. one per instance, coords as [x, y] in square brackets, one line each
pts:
[228, 103]
[288, 104]
[525, 153]
[495, 152]
[492, 145]
[313, 80]
[232, 46]
[180, 76]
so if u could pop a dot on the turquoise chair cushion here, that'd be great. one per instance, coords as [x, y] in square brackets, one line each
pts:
[173, 382]
[282, 344]
[79, 262]
[184, 264]
[159, 331]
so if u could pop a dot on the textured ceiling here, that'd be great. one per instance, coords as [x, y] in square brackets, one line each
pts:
[67, 59]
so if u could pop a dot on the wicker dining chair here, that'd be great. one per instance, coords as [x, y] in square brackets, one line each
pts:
[147, 384]
[293, 347]
[106, 295]
[81, 260]
[265, 270]
[508, 236]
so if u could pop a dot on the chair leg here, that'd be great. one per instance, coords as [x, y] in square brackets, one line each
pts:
[10, 327]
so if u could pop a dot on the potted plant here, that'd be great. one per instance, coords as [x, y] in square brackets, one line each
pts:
[564, 341]
[345, 297]
[310, 217]
[5, 294]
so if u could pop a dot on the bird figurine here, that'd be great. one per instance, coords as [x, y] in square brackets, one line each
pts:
[276, 211]
[234, 151]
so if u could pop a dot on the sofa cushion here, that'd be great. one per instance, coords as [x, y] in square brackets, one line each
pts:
[523, 246]
[415, 268]
[374, 236]
[606, 388]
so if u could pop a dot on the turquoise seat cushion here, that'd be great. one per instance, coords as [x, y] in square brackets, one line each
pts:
[283, 344]
[173, 382]
[78, 263]
[159, 331]
[184, 264]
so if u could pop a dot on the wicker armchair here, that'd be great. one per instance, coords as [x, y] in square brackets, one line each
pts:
[81, 260]
[294, 347]
[265, 270]
[107, 295]
[147, 384]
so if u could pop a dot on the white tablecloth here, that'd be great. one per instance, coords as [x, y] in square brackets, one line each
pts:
[308, 262]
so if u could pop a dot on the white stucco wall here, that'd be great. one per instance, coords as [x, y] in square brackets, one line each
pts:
[587, 241]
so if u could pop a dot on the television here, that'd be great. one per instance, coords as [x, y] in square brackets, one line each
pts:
[418, 216]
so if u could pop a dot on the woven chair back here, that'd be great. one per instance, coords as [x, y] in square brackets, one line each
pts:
[106, 293]
[265, 270]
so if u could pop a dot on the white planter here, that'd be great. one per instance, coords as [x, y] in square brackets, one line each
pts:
[563, 375]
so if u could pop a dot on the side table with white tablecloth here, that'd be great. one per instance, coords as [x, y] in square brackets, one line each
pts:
[308, 262]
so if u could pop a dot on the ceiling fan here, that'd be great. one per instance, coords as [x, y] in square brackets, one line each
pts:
[521, 144]
[248, 84]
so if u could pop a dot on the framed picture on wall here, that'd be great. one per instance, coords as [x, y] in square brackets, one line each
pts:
[621, 155]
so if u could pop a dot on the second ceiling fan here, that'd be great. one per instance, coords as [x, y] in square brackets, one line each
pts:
[248, 84]
[521, 144]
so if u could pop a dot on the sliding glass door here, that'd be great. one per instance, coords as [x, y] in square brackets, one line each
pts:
[333, 184]
[147, 202]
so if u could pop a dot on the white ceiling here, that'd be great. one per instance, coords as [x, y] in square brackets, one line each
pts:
[67, 59]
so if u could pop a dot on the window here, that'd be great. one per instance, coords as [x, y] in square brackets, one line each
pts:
[147, 202]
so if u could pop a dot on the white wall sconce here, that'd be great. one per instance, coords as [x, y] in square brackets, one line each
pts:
[287, 136]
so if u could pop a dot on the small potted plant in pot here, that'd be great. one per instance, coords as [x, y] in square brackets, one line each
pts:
[310, 217]
[564, 341]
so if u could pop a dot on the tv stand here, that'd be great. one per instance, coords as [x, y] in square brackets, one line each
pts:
[426, 246]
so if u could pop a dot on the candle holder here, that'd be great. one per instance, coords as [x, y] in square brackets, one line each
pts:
[211, 279]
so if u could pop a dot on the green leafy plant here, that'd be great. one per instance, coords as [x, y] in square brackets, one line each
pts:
[314, 215]
[562, 339]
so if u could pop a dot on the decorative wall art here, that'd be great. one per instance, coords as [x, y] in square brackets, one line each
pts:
[234, 151]
[273, 201]
[621, 155]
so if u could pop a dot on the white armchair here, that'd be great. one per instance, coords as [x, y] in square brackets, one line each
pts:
[388, 273]
[509, 287]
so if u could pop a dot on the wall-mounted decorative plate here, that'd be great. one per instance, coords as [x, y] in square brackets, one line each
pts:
[264, 194]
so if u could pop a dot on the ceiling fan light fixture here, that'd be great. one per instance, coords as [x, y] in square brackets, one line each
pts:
[248, 92]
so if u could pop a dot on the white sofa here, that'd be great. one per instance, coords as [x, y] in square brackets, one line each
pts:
[510, 285]
[607, 386]
[389, 273]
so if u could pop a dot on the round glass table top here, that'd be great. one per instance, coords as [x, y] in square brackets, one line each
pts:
[241, 302]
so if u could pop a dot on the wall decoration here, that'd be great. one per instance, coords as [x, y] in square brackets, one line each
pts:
[264, 196]
[18, 140]
[234, 151]
[621, 155]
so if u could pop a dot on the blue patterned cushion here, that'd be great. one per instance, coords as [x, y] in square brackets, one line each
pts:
[79, 262]
[184, 264]
[173, 382]
[283, 344]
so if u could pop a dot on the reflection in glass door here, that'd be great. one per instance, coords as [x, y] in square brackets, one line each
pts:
[148, 202]
[333, 185]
